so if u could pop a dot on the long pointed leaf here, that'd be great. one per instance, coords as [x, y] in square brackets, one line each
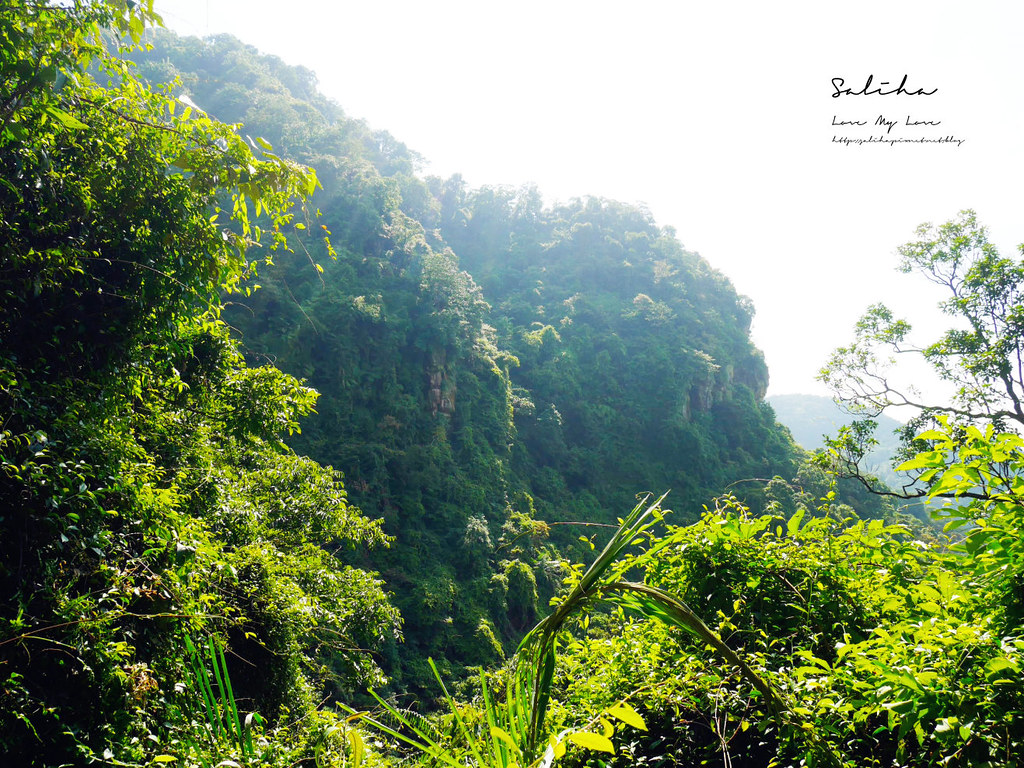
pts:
[427, 746]
[230, 705]
[205, 689]
[470, 741]
[535, 656]
[661, 605]
[222, 710]
[500, 752]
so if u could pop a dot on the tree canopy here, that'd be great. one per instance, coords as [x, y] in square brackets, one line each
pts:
[148, 499]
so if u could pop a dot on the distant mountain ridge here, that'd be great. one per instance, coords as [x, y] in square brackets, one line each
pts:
[810, 418]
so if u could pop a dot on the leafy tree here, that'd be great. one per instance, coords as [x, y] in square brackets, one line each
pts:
[968, 452]
[981, 356]
[147, 496]
[965, 451]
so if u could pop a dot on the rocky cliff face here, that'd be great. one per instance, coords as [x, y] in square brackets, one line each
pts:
[753, 373]
[441, 394]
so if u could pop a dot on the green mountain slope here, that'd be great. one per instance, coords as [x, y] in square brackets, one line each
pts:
[635, 353]
[485, 363]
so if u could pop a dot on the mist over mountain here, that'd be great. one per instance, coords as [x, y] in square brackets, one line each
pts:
[488, 366]
[811, 418]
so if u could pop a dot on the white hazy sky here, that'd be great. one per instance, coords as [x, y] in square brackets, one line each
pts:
[716, 116]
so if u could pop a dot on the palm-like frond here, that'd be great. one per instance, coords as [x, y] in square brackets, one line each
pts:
[535, 657]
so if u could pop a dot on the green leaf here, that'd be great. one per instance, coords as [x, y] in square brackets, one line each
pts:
[925, 460]
[593, 741]
[956, 522]
[793, 524]
[501, 734]
[628, 715]
[358, 748]
[998, 665]
[66, 119]
[557, 747]
[136, 27]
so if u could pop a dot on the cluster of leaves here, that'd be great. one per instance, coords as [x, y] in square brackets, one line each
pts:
[147, 495]
[885, 649]
[846, 642]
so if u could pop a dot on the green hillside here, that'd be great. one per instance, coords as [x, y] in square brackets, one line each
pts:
[487, 366]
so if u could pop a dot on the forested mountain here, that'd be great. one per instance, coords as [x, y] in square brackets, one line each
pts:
[487, 365]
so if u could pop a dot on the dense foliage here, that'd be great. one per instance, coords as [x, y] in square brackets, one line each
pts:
[485, 362]
[889, 650]
[147, 497]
